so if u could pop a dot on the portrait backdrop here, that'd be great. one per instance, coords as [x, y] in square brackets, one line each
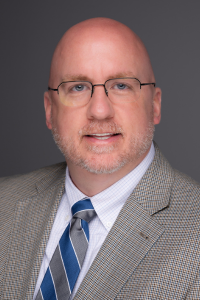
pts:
[29, 33]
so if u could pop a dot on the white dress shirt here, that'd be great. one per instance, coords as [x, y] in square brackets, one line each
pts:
[107, 205]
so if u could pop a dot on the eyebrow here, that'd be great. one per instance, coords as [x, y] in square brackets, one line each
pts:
[80, 77]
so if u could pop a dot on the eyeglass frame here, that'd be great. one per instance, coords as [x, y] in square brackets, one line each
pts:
[100, 84]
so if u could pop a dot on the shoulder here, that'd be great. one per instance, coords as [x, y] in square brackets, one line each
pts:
[179, 182]
[17, 187]
[28, 181]
[181, 194]
[185, 182]
[186, 192]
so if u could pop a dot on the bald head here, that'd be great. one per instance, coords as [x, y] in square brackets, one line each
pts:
[94, 41]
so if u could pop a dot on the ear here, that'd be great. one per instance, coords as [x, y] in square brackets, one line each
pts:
[48, 108]
[157, 105]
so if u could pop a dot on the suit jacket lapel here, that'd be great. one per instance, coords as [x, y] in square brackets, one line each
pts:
[34, 217]
[133, 234]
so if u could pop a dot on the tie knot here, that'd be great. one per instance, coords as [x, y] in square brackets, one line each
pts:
[84, 210]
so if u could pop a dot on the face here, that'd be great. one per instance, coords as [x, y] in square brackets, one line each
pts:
[102, 136]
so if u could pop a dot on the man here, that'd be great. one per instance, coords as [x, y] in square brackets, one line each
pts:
[102, 105]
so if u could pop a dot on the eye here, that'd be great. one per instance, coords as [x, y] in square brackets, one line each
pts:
[120, 86]
[79, 88]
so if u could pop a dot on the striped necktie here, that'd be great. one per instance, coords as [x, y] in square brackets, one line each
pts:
[67, 260]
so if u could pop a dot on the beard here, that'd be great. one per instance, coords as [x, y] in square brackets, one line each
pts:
[103, 159]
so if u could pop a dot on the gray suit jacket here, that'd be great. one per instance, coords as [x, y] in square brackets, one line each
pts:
[151, 252]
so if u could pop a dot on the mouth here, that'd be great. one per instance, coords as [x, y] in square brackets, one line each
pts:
[102, 136]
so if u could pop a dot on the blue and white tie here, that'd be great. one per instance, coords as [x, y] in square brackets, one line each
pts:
[67, 260]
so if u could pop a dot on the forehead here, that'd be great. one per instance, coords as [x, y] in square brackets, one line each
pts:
[98, 55]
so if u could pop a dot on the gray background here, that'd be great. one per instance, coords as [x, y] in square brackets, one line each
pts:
[29, 33]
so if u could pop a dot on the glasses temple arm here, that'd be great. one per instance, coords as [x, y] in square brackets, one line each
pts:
[148, 84]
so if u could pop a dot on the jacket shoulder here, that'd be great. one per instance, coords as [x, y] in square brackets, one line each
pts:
[26, 182]
[184, 184]
[18, 187]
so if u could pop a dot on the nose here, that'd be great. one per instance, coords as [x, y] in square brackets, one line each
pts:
[100, 107]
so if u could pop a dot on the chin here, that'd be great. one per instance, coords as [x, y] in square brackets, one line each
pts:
[101, 165]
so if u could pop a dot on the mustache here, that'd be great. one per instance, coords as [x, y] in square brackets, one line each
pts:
[101, 127]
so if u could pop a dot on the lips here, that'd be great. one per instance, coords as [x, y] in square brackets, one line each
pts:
[102, 136]
[106, 132]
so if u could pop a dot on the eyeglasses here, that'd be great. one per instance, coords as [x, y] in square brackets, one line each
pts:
[78, 93]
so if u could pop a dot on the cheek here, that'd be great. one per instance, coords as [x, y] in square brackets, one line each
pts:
[60, 117]
[134, 117]
[66, 120]
[145, 111]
